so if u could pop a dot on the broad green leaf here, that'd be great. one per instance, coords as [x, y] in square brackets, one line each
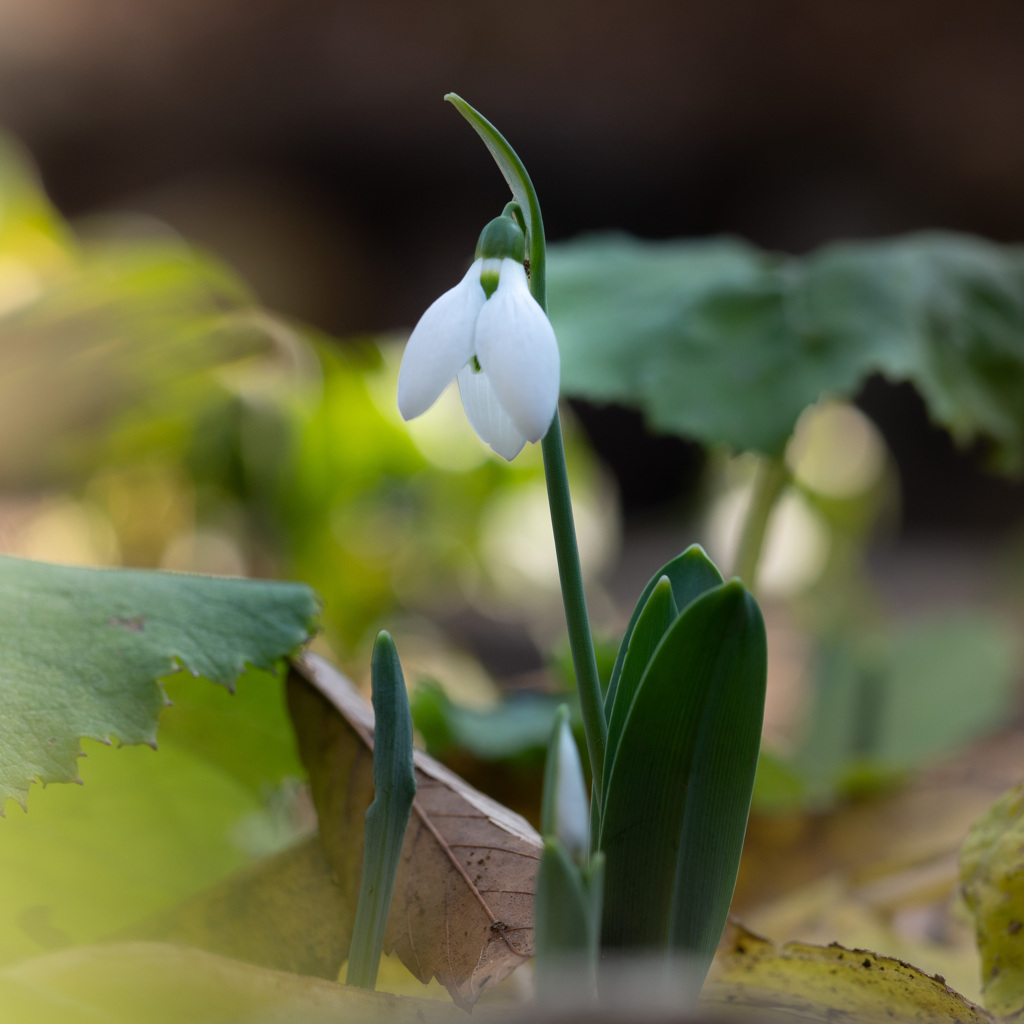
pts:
[125, 983]
[287, 911]
[246, 733]
[394, 789]
[679, 786]
[690, 574]
[84, 649]
[145, 831]
[717, 341]
[754, 980]
[991, 875]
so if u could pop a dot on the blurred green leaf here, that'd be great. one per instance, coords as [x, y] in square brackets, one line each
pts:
[129, 327]
[84, 649]
[165, 984]
[519, 725]
[718, 341]
[887, 704]
[145, 831]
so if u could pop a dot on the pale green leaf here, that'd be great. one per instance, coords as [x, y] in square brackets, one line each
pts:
[83, 651]
[715, 340]
[127, 983]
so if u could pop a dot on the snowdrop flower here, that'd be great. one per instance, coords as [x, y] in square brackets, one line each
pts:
[490, 333]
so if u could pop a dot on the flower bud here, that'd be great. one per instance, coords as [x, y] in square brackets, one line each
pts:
[502, 238]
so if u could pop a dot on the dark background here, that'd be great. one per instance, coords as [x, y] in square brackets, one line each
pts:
[307, 142]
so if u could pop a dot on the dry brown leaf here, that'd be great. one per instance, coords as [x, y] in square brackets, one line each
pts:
[462, 909]
[753, 978]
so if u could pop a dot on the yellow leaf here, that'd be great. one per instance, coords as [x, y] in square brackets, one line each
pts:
[752, 976]
[164, 984]
[992, 875]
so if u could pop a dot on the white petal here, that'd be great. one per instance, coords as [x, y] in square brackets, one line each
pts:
[516, 347]
[486, 416]
[440, 345]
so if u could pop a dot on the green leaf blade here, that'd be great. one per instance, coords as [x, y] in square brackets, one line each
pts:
[658, 613]
[84, 649]
[710, 664]
[690, 574]
[720, 789]
[387, 818]
[518, 180]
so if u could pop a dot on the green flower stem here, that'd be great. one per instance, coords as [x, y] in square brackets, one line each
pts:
[769, 484]
[581, 641]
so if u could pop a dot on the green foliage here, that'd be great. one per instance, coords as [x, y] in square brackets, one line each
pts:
[394, 784]
[688, 575]
[149, 829]
[678, 783]
[84, 651]
[515, 729]
[885, 704]
[729, 344]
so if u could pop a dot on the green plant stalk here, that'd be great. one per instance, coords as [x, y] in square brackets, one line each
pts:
[394, 785]
[570, 574]
[769, 484]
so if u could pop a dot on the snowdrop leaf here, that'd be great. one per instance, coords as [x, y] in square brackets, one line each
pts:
[679, 785]
[690, 575]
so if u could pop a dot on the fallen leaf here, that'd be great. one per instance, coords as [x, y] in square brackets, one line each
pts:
[164, 984]
[752, 978]
[993, 884]
[284, 912]
[462, 909]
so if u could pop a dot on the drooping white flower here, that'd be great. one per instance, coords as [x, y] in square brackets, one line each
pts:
[502, 349]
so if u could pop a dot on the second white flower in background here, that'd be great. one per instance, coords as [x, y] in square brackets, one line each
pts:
[502, 349]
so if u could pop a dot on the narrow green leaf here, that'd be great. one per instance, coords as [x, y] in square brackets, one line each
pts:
[683, 772]
[394, 784]
[84, 649]
[567, 918]
[691, 574]
[518, 180]
[658, 614]
[720, 788]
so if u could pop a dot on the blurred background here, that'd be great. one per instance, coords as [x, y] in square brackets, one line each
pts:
[306, 143]
[305, 150]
